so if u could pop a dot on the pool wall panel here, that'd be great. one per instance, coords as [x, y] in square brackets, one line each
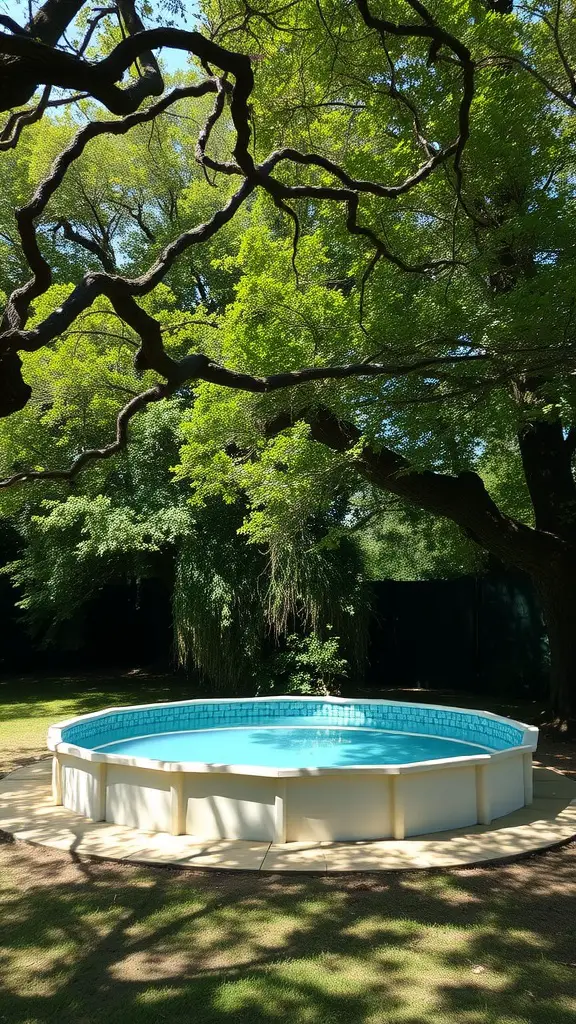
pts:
[81, 786]
[139, 798]
[505, 785]
[230, 806]
[337, 807]
[438, 800]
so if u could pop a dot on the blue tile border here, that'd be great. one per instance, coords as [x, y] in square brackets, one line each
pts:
[467, 726]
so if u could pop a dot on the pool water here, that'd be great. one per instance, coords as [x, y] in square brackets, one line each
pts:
[292, 747]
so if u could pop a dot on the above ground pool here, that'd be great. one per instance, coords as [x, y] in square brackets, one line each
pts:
[288, 769]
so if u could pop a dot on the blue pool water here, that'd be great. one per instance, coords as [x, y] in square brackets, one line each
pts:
[289, 747]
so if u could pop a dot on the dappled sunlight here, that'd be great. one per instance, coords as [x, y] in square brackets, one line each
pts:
[408, 948]
[19, 756]
[557, 755]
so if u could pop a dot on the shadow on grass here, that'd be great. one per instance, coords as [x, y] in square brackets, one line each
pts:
[23, 695]
[19, 757]
[88, 942]
[96, 943]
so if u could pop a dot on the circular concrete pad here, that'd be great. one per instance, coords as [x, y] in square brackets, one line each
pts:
[27, 813]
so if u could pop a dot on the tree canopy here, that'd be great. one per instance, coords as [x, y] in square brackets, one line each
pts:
[333, 258]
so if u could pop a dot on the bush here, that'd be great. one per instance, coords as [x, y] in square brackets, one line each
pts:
[308, 665]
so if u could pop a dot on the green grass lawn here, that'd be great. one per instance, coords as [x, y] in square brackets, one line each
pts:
[84, 942]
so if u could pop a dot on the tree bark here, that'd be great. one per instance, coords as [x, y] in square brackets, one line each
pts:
[547, 462]
[47, 26]
[547, 557]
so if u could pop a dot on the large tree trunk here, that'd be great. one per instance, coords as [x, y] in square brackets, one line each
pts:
[558, 598]
[547, 453]
[547, 553]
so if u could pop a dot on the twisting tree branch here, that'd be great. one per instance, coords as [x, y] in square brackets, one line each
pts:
[199, 367]
[132, 407]
[93, 22]
[439, 37]
[33, 53]
[200, 153]
[462, 498]
[89, 244]
[511, 60]
[7, 22]
[18, 82]
[10, 133]
[19, 302]
[47, 66]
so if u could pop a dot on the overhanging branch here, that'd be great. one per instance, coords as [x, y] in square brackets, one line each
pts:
[462, 498]
[33, 54]
[135, 405]
[199, 367]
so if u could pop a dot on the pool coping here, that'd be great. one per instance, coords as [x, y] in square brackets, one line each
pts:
[27, 813]
[60, 746]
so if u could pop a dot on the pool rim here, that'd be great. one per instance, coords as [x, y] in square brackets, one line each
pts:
[57, 745]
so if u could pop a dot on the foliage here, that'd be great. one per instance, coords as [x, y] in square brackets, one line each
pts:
[229, 588]
[403, 543]
[219, 616]
[307, 665]
[459, 292]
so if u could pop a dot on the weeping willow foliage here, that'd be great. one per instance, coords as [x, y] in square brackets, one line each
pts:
[233, 602]
[218, 600]
[319, 585]
[234, 599]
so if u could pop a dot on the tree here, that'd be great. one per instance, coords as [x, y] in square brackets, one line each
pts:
[423, 158]
[122, 522]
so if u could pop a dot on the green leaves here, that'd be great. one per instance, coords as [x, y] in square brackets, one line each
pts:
[461, 287]
[307, 665]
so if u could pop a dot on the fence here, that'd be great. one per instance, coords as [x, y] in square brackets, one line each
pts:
[481, 633]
